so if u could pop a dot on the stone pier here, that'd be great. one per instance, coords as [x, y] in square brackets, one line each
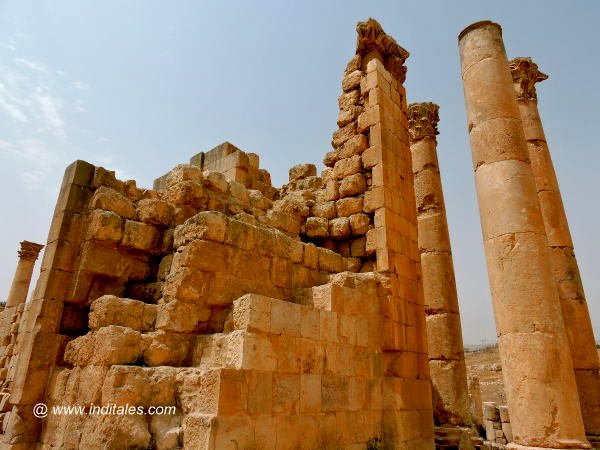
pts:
[534, 349]
[444, 334]
[28, 254]
[525, 74]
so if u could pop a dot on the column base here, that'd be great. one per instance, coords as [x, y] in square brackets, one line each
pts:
[571, 445]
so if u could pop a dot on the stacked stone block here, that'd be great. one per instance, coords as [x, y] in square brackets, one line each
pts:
[212, 295]
[498, 431]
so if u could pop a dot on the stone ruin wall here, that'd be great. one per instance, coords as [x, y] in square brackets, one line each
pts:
[288, 318]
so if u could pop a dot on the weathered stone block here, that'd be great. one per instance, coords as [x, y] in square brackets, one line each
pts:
[111, 310]
[104, 226]
[107, 346]
[155, 212]
[111, 200]
[208, 225]
[353, 185]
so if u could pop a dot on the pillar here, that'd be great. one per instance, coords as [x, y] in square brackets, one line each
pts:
[525, 74]
[444, 335]
[20, 285]
[534, 350]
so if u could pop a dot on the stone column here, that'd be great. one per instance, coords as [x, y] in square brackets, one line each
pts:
[575, 312]
[534, 349]
[20, 285]
[444, 335]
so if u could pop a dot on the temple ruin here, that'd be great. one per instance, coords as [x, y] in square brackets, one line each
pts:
[319, 315]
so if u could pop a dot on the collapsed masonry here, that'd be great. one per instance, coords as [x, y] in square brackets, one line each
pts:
[291, 318]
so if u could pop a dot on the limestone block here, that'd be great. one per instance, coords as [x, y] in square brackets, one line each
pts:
[317, 227]
[301, 171]
[252, 312]
[503, 411]
[166, 430]
[311, 256]
[187, 284]
[139, 386]
[286, 393]
[111, 310]
[107, 346]
[241, 235]
[332, 190]
[353, 185]
[360, 224]
[507, 431]
[339, 228]
[330, 261]
[181, 317]
[285, 318]
[208, 225]
[334, 393]
[155, 212]
[324, 210]
[348, 115]
[215, 181]
[187, 193]
[348, 99]
[115, 431]
[104, 226]
[165, 267]
[141, 236]
[310, 323]
[356, 145]
[111, 200]
[348, 166]
[491, 412]
[165, 349]
[102, 260]
[207, 256]
[330, 158]
[258, 200]
[343, 134]
[184, 172]
[371, 157]
[352, 81]
[347, 206]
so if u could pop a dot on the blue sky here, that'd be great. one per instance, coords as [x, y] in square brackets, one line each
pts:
[140, 86]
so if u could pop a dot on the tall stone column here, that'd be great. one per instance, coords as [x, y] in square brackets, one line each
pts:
[534, 349]
[444, 335]
[20, 285]
[575, 312]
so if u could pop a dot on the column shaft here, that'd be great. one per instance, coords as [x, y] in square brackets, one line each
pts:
[534, 350]
[575, 311]
[444, 334]
[22, 278]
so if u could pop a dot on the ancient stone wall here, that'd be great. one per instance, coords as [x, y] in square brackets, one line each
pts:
[237, 304]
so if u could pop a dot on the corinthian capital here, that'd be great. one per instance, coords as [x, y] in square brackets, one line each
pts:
[422, 120]
[29, 250]
[372, 37]
[525, 74]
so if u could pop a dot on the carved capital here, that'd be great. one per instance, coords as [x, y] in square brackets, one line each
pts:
[29, 250]
[525, 74]
[372, 37]
[422, 120]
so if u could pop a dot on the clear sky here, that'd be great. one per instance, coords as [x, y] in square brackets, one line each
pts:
[140, 86]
